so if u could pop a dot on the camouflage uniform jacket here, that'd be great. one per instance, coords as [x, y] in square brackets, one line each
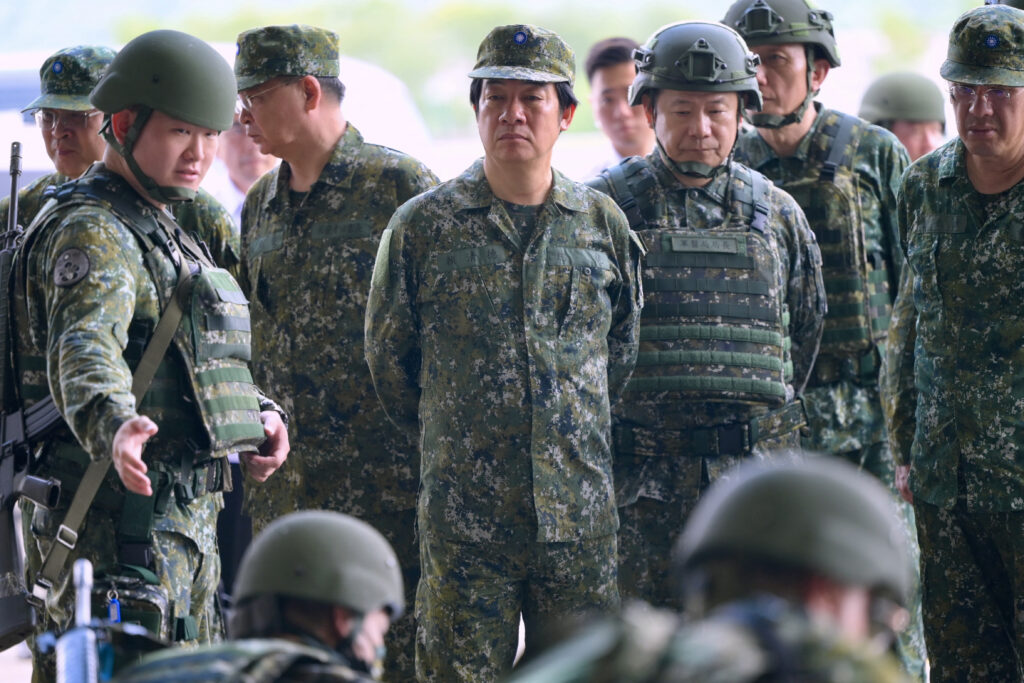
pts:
[307, 270]
[845, 415]
[957, 357]
[204, 217]
[502, 358]
[762, 639]
[252, 660]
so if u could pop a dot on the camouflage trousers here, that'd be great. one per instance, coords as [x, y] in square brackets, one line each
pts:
[186, 564]
[648, 528]
[471, 595]
[973, 579]
[399, 528]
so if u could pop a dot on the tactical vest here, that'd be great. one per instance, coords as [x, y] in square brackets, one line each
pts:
[714, 325]
[212, 339]
[856, 283]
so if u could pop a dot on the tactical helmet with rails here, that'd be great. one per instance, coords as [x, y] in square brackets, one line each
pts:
[786, 22]
[170, 72]
[903, 96]
[317, 556]
[818, 515]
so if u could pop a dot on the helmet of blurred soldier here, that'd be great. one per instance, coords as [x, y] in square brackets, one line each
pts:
[817, 515]
[784, 22]
[903, 96]
[69, 75]
[295, 50]
[986, 47]
[696, 56]
[317, 556]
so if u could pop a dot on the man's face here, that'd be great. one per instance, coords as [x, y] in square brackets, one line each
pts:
[272, 115]
[519, 121]
[175, 153]
[73, 142]
[624, 125]
[695, 126]
[991, 121]
[919, 137]
[244, 160]
[782, 77]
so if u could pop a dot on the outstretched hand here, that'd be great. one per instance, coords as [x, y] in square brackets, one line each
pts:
[126, 453]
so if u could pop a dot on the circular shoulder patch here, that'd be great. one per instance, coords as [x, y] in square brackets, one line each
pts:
[72, 267]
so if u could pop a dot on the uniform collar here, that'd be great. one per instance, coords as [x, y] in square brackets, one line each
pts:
[337, 173]
[475, 192]
[716, 189]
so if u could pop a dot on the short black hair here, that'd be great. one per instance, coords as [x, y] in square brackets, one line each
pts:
[333, 86]
[566, 97]
[609, 52]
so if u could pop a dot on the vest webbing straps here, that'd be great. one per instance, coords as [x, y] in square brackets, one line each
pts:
[624, 194]
[67, 533]
[838, 149]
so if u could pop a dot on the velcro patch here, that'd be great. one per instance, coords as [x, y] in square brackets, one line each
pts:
[72, 267]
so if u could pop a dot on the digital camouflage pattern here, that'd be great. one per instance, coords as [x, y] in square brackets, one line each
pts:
[69, 75]
[307, 274]
[262, 660]
[502, 359]
[84, 330]
[986, 46]
[660, 472]
[295, 50]
[653, 646]
[525, 53]
[472, 595]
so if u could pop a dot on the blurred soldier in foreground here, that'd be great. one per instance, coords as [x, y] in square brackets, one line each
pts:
[911, 106]
[310, 233]
[734, 301]
[502, 324]
[610, 72]
[844, 173]
[315, 595]
[100, 268]
[957, 357]
[790, 571]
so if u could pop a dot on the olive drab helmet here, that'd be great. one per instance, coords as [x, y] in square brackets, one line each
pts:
[784, 22]
[818, 514]
[319, 556]
[903, 96]
[696, 56]
[171, 72]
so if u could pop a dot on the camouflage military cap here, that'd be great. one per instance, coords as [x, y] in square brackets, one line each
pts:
[1019, 4]
[525, 53]
[986, 46]
[296, 50]
[68, 76]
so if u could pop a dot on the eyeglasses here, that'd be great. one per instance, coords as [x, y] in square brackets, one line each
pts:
[49, 119]
[246, 101]
[969, 94]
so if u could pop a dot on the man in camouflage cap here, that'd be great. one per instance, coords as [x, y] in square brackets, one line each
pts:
[311, 228]
[502, 323]
[955, 361]
[911, 106]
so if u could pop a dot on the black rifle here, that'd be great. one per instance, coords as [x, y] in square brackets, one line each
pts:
[17, 427]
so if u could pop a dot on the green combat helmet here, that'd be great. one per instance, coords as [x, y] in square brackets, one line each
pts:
[696, 56]
[319, 556]
[785, 22]
[903, 96]
[816, 514]
[69, 75]
[525, 53]
[170, 72]
[986, 47]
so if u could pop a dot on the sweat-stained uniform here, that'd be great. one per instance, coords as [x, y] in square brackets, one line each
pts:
[501, 356]
[308, 262]
[733, 312]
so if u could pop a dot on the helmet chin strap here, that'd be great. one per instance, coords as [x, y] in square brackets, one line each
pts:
[692, 169]
[164, 194]
[760, 120]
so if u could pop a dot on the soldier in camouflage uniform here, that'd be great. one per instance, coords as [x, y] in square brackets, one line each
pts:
[311, 229]
[95, 273]
[502, 324]
[844, 173]
[911, 106]
[734, 300]
[774, 591]
[327, 627]
[955, 357]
